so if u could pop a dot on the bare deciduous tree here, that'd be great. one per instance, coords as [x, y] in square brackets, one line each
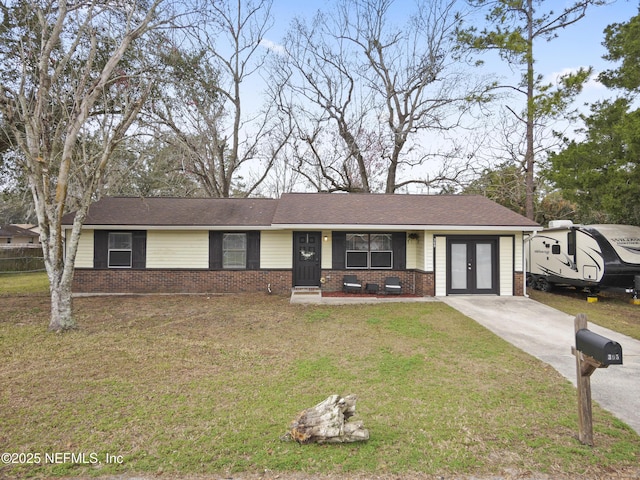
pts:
[365, 93]
[66, 88]
[207, 102]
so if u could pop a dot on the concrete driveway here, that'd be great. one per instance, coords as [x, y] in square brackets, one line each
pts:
[548, 334]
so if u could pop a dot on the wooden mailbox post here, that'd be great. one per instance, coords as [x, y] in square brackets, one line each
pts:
[591, 351]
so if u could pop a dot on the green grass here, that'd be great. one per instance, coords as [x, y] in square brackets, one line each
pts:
[24, 283]
[611, 311]
[197, 385]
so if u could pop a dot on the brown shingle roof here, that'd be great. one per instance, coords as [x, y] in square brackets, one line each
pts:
[305, 209]
[16, 231]
[378, 209]
[164, 211]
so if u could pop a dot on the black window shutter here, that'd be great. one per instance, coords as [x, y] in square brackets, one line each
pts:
[253, 250]
[338, 247]
[399, 245]
[100, 248]
[139, 250]
[215, 250]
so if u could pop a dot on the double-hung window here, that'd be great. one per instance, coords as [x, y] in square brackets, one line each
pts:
[234, 250]
[369, 250]
[120, 249]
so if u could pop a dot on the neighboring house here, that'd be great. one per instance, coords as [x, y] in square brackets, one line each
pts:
[18, 235]
[437, 245]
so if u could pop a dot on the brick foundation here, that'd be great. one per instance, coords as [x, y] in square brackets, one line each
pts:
[181, 281]
[425, 283]
[413, 281]
[518, 284]
[243, 281]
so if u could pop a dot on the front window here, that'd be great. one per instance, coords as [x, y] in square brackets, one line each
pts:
[234, 250]
[120, 249]
[366, 250]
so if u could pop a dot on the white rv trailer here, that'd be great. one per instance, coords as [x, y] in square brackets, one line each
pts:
[595, 257]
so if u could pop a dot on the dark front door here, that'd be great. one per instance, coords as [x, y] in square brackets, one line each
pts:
[306, 259]
[472, 266]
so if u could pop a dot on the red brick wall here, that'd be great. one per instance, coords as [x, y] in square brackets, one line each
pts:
[518, 287]
[413, 281]
[234, 281]
[425, 283]
[180, 281]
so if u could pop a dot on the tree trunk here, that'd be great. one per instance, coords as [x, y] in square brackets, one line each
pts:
[59, 254]
[53, 248]
[326, 423]
[61, 308]
[529, 156]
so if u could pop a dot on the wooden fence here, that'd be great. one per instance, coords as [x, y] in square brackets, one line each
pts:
[21, 258]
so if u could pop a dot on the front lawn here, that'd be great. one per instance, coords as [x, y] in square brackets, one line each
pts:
[208, 385]
[23, 283]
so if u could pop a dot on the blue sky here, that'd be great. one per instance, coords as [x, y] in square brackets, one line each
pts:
[579, 45]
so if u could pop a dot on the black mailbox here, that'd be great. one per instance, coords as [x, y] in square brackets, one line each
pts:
[605, 351]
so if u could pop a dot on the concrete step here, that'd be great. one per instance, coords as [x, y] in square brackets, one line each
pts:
[306, 295]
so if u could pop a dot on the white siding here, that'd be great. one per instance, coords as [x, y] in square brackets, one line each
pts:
[412, 247]
[506, 265]
[177, 249]
[518, 257]
[84, 255]
[441, 266]
[276, 249]
[427, 252]
[327, 250]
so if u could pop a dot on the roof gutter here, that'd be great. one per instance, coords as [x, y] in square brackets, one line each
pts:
[484, 228]
[300, 226]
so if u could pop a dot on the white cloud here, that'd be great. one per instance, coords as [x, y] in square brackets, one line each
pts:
[273, 46]
[591, 85]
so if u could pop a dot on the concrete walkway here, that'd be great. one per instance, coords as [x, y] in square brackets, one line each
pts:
[548, 334]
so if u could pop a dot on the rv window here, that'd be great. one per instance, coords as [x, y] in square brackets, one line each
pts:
[571, 242]
[555, 249]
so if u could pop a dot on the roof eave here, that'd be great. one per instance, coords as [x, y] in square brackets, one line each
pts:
[466, 228]
[171, 227]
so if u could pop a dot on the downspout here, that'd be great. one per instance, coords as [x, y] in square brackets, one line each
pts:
[526, 240]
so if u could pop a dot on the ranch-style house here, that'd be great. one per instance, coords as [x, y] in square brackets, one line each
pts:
[435, 245]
